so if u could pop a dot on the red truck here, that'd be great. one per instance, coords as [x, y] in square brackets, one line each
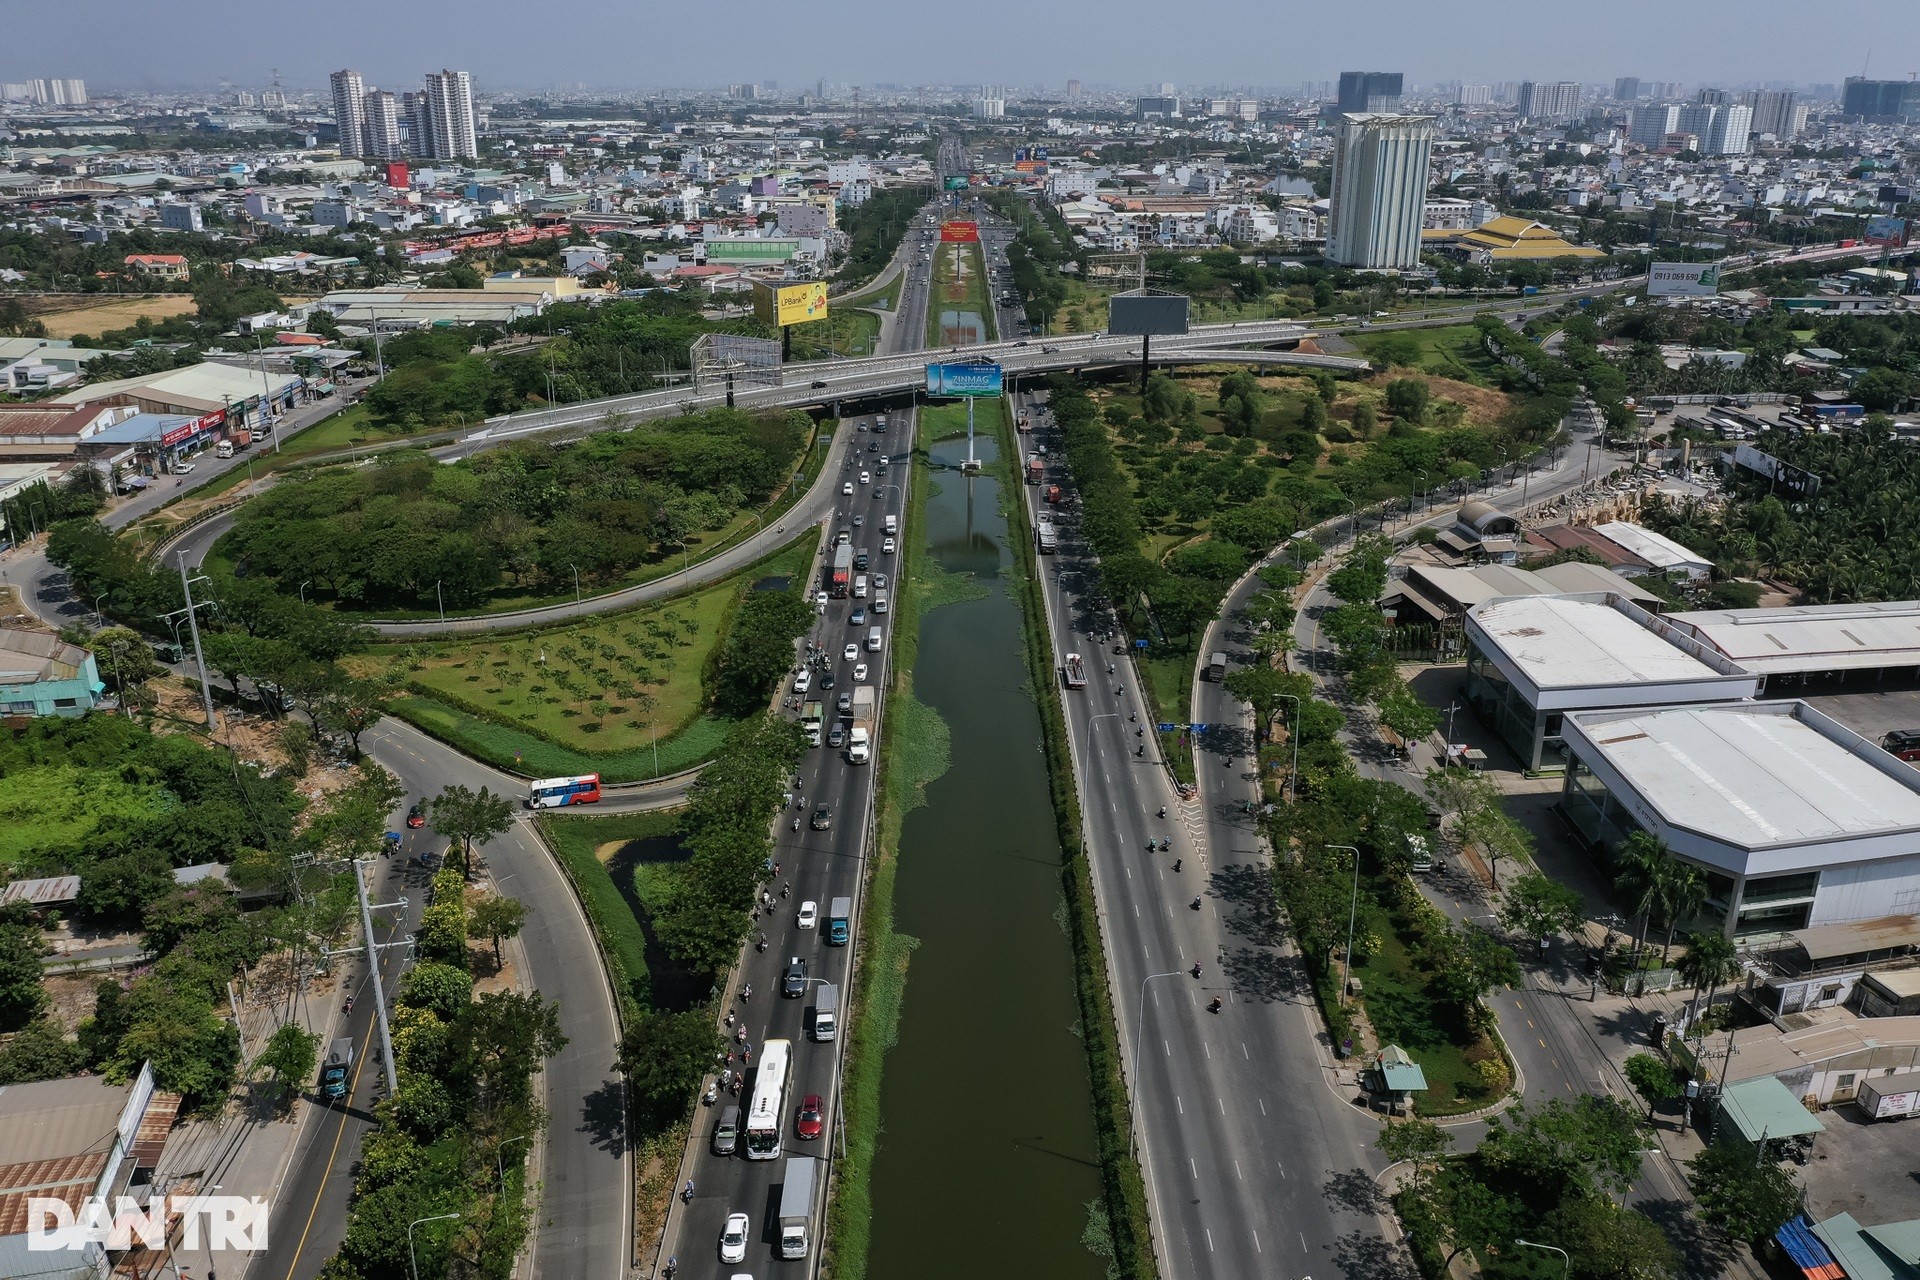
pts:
[1053, 493]
[1035, 468]
[842, 571]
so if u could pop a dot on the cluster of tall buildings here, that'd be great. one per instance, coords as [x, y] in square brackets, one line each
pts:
[435, 122]
[48, 93]
[1881, 101]
[1549, 100]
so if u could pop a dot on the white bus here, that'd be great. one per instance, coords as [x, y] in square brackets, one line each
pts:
[551, 793]
[765, 1112]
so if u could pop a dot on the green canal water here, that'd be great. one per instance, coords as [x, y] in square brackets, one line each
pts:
[987, 1158]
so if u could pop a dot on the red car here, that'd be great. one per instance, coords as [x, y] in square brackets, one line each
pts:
[416, 817]
[808, 1124]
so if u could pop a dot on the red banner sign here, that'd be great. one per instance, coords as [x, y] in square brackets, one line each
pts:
[188, 430]
[959, 233]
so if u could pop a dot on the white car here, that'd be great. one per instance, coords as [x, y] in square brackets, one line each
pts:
[803, 681]
[852, 652]
[887, 547]
[860, 673]
[809, 915]
[820, 598]
[866, 477]
[879, 582]
[846, 490]
[733, 1238]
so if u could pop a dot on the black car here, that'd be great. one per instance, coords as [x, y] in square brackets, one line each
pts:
[822, 820]
[794, 984]
[826, 679]
[818, 384]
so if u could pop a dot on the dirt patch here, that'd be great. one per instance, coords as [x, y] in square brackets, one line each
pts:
[15, 615]
[1483, 403]
[98, 318]
[72, 997]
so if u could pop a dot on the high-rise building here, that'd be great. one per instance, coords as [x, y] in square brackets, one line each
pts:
[1375, 91]
[58, 93]
[16, 92]
[350, 111]
[1772, 112]
[1713, 97]
[1549, 99]
[1073, 90]
[1650, 123]
[1379, 189]
[451, 134]
[1696, 118]
[1626, 88]
[1160, 106]
[382, 124]
[1880, 101]
[1731, 126]
[1473, 95]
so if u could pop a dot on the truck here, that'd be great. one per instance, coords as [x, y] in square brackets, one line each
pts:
[839, 922]
[811, 722]
[891, 524]
[1053, 493]
[1217, 667]
[1036, 468]
[796, 1206]
[1892, 1097]
[1026, 423]
[840, 575]
[1074, 671]
[860, 736]
[337, 1071]
[1046, 538]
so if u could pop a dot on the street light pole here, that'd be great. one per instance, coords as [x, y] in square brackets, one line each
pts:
[193, 629]
[1134, 1074]
[413, 1263]
[1353, 912]
[1293, 732]
[1567, 1270]
[440, 596]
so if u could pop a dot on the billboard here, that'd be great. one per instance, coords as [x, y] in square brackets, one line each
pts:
[1888, 231]
[1145, 311]
[787, 304]
[1683, 279]
[1787, 479]
[981, 378]
[959, 233]
[749, 249]
[955, 182]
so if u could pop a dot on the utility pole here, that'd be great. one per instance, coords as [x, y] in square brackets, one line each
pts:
[199, 658]
[373, 967]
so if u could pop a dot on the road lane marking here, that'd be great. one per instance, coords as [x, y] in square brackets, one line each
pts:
[1222, 1104]
[1237, 1173]
[1209, 1231]
[1303, 1243]
[1193, 1168]
[1243, 1051]
[1263, 1105]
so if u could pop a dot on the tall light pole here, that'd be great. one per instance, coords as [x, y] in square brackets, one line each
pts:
[440, 596]
[1134, 1073]
[576, 581]
[413, 1264]
[193, 629]
[1353, 912]
[1567, 1270]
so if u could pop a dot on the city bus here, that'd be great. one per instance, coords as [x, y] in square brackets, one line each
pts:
[769, 1099]
[551, 793]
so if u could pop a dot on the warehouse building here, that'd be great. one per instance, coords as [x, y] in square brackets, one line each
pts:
[1797, 820]
[1533, 659]
[1807, 642]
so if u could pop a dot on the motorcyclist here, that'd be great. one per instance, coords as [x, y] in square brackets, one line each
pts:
[1163, 811]
[1196, 906]
[1215, 1006]
[1176, 864]
[1196, 973]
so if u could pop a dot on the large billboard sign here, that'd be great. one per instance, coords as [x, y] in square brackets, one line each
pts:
[1887, 231]
[1786, 478]
[959, 233]
[750, 249]
[956, 182]
[1683, 279]
[980, 378]
[1147, 312]
[787, 304]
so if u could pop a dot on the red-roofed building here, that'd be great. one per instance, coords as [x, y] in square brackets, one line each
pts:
[161, 266]
[47, 432]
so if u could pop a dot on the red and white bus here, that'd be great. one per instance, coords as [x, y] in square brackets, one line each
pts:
[551, 793]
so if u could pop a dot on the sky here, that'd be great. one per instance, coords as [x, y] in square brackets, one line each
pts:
[141, 45]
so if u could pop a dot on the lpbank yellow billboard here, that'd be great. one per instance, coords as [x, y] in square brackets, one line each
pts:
[783, 305]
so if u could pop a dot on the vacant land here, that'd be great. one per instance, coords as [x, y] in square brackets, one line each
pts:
[1453, 351]
[121, 314]
[57, 804]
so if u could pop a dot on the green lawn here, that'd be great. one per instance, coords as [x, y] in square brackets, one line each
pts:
[869, 297]
[959, 284]
[1451, 351]
[599, 853]
[847, 331]
[58, 804]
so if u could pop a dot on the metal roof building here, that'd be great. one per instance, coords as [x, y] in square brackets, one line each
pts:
[1814, 639]
[1797, 820]
[1658, 550]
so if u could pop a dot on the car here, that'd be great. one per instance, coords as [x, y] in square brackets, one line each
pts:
[873, 446]
[859, 672]
[819, 384]
[858, 618]
[866, 477]
[820, 598]
[826, 681]
[185, 468]
[822, 819]
[846, 704]
[837, 737]
[1051, 351]
[803, 682]
[846, 490]
[417, 815]
[807, 1124]
[794, 984]
[1023, 342]
[879, 582]
[858, 521]
[887, 547]
[809, 915]
[851, 652]
[733, 1238]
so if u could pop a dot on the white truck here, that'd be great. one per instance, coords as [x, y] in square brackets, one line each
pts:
[892, 523]
[796, 1206]
[1892, 1097]
[861, 736]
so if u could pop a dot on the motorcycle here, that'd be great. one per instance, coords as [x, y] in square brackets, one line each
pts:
[348, 1008]
[1196, 968]
[1195, 904]
[1214, 1007]
[686, 1192]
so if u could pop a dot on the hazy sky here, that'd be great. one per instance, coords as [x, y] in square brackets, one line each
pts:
[511, 44]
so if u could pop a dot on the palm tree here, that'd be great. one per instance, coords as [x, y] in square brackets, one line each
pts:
[1710, 961]
[1641, 858]
[1683, 893]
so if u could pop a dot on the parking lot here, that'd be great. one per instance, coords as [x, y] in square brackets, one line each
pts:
[1863, 1167]
[1869, 712]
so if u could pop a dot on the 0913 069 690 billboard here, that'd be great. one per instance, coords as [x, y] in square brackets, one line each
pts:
[1683, 279]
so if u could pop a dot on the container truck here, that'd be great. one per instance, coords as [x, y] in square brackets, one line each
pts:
[338, 1070]
[1053, 493]
[1036, 468]
[839, 922]
[1890, 1097]
[841, 574]
[810, 723]
[796, 1206]
[860, 737]
[1074, 670]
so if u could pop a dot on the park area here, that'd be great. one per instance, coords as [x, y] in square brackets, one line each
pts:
[623, 695]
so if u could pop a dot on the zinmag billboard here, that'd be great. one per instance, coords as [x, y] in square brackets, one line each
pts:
[981, 378]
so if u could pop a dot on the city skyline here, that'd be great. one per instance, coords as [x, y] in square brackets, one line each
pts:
[859, 41]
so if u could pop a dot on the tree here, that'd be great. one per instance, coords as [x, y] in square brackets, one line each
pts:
[1641, 859]
[1710, 961]
[1416, 1140]
[460, 813]
[1749, 1198]
[1562, 1149]
[1609, 1242]
[39, 1051]
[1539, 908]
[1365, 419]
[289, 1059]
[1266, 689]
[1402, 711]
[1407, 399]
[1651, 1078]
[496, 917]
[352, 709]
[441, 989]
[665, 1056]
[125, 659]
[21, 995]
[442, 935]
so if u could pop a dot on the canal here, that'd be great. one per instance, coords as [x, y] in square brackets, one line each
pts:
[987, 1155]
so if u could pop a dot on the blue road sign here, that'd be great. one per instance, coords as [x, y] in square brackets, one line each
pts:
[1166, 726]
[1139, 644]
[1200, 728]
